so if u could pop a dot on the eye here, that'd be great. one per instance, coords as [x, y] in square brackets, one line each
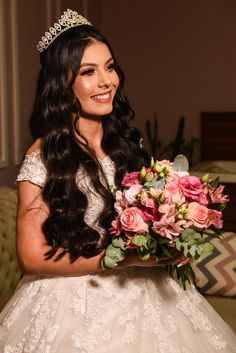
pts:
[88, 72]
[111, 66]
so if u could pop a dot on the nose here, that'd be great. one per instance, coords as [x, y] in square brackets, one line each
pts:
[104, 79]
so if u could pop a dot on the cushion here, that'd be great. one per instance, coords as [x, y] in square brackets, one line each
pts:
[9, 269]
[216, 272]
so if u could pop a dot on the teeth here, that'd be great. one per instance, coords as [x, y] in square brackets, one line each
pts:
[102, 97]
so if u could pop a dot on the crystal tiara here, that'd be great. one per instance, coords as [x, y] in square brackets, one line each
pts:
[68, 20]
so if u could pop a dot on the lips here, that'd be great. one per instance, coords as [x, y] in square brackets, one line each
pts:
[102, 98]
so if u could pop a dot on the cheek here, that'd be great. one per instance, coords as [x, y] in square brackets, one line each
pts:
[116, 80]
[83, 88]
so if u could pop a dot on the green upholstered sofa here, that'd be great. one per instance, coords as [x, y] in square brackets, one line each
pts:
[9, 269]
[10, 273]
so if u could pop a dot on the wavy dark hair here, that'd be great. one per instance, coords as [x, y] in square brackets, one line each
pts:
[51, 121]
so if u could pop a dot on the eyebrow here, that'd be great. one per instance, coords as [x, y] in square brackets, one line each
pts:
[93, 64]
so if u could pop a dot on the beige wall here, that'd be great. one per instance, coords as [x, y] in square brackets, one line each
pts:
[179, 58]
[25, 23]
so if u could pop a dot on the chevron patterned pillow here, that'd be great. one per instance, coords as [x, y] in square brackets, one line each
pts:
[216, 272]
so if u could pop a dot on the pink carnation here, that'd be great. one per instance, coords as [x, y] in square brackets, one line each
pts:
[198, 214]
[193, 189]
[131, 220]
[215, 218]
[217, 195]
[131, 179]
[115, 227]
[150, 214]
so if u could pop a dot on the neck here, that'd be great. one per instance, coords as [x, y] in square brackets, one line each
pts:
[92, 131]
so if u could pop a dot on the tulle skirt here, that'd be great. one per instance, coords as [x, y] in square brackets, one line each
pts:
[132, 311]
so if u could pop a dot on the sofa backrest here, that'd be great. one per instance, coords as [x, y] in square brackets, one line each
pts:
[9, 268]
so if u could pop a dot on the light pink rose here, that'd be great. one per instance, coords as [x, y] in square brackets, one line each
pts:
[175, 191]
[215, 218]
[131, 193]
[193, 188]
[131, 220]
[131, 179]
[198, 214]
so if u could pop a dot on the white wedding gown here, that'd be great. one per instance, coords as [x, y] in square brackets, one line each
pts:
[127, 311]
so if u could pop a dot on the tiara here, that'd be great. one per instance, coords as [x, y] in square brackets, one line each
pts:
[68, 20]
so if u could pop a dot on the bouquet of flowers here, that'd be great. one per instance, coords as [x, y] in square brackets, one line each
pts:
[162, 209]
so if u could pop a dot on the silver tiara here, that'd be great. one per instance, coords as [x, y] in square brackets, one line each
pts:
[68, 20]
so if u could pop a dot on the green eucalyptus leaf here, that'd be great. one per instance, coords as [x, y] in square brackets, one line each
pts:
[139, 240]
[155, 183]
[193, 250]
[118, 242]
[115, 254]
[108, 263]
[178, 245]
[181, 163]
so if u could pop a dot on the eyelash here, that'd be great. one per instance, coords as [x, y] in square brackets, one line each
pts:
[89, 72]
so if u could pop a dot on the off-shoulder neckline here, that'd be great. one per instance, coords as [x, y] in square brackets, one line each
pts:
[37, 151]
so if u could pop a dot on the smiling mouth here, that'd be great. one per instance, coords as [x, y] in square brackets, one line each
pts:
[102, 98]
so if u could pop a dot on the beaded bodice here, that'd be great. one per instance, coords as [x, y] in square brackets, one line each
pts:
[33, 170]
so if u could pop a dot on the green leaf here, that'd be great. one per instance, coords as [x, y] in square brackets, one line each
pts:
[152, 243]
[181, 163]
[193, 250]
[108, 263]
[144, 257]
[215, 183]
[166, 251]
[115, 254]
[139, 240]
[118, 242]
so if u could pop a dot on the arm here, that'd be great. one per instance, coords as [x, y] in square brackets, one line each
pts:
[32, 245]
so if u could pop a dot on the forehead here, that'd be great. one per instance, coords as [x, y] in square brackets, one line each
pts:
[95, 53]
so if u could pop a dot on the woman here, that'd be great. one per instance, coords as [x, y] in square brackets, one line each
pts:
[83, 147]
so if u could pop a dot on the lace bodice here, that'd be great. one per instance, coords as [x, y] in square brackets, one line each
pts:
[33, 170]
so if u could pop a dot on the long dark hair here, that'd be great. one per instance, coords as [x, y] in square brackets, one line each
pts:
[51, 121]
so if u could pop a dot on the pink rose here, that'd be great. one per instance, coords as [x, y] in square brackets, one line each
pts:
[215, 218]
[174, 189]
[131, 179]
[198, 214]
[131, 193]
[131, 220]
[193, 188]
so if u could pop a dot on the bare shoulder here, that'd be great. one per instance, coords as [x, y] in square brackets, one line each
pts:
[34, 147]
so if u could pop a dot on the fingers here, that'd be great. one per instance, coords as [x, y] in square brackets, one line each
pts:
[183, 262]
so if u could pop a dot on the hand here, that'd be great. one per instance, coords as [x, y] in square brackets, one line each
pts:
[132, 260]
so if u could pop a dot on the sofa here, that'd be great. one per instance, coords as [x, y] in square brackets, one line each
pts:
[216, 276]
[10, 273]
